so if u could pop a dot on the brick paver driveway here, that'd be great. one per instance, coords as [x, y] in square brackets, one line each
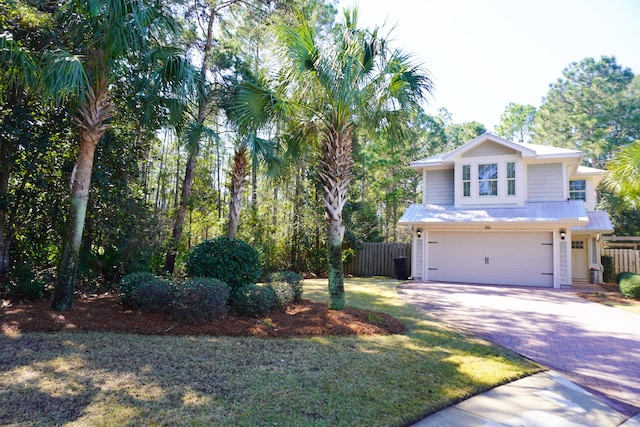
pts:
[596, 346]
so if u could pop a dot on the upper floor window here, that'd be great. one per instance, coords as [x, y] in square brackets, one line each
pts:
[466, 180]
[511, 179]
[578, 190]
[488, 179]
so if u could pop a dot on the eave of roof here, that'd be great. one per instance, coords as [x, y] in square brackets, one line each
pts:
[527, 150]
[599, 222]
[570, 212]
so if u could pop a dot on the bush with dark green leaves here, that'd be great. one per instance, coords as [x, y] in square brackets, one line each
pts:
[200, 299]
[608, 275]
[253, 300]
[287, 286]
[630, 286]
[230, 260]
[24, 285]
[624, 275]
[147, 291]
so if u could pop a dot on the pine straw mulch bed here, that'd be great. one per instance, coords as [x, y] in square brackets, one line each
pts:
[105, 314]
[610, 295]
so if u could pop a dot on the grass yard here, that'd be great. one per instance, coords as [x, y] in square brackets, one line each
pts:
[107, 379]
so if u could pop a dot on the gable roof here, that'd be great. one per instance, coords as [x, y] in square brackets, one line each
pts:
[525, 149]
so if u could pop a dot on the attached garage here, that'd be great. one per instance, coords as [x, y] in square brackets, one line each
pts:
[523, 258]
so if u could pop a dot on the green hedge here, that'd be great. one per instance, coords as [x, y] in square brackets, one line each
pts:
[630, 285]
[230, 260]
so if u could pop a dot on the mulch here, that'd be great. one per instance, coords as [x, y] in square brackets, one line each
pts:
[104, 313]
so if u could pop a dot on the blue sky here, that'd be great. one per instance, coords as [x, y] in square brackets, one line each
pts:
[483, 54]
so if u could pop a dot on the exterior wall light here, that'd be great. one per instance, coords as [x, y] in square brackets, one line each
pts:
[563, 233]
[419, 233]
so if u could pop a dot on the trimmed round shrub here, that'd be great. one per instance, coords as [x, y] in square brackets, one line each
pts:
[290, 277]
[253, 300]
[147, 291]
[624, 275]
[630, 286]
[284, 294]
[230, 260]
[200, 299]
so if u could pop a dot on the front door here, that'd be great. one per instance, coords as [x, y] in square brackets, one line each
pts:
[579, 268]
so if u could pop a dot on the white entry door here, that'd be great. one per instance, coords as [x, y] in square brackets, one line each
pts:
[505, 258]
[579, 267]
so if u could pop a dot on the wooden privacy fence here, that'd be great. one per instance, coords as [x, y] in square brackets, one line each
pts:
[376, 259]
[624, 259]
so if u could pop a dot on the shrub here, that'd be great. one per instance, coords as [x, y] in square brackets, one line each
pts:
[623, 275]
[147, 291]
[290, 277]
[24, 284]
[284, 294]
[630, 286]
[607, 266]
[230, 260]
[253, 300]
[200, 299]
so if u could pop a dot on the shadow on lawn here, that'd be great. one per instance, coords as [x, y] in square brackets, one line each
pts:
[112, 379]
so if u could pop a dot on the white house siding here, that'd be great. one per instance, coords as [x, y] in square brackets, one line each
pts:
[545, 183]
[438, 187]
[417, 263]
[565, 265]
[507, 258]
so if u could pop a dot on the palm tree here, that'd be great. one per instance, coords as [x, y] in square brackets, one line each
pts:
[624, 173]
[258, 149]
[101, 41]
[334, 90]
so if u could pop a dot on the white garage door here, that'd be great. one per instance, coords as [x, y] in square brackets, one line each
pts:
[524, 259]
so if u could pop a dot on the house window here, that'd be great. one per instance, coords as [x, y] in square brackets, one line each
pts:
[488, 179]
[466, 180]
[578, 190]
[511, 179]
[577, 244]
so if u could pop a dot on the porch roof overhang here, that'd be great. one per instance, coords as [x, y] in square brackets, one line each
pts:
[567, 213]
[599, 222]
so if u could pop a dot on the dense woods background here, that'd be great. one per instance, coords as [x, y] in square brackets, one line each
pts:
[179, 156]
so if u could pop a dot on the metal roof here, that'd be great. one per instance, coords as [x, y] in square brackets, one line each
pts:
[567, 212]
[598, 221]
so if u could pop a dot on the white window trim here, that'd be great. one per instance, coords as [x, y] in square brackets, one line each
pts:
[502, 198]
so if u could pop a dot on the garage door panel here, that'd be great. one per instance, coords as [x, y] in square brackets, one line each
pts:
[495, 258]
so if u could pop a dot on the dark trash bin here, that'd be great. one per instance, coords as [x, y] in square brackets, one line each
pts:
[401, 265]
[593, 276]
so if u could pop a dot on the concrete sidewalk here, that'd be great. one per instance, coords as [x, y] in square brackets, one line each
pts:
[545, 399]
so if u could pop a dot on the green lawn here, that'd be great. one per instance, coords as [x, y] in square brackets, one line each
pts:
[79, 379]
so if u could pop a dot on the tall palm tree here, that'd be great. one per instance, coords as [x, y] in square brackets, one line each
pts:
[100, 41]
[247, 148]
[624, 173]
[335, 89]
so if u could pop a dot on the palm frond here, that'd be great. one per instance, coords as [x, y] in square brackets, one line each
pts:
[18, 66]
[64, 77]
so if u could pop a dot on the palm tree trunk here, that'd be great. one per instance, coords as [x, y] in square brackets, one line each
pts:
[239, 171]
[335, 176]
[91, 125]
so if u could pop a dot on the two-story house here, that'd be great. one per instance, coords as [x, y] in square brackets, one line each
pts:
[499, 212]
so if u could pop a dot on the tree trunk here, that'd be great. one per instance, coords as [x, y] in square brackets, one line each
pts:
[335, 175]
[203, 102]
[172, 251]
[239, 170]
[5, 240]
[91, 125]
